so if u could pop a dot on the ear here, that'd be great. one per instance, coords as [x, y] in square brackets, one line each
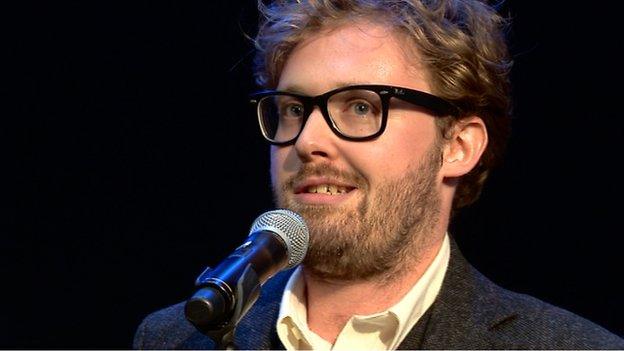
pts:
[464, 148]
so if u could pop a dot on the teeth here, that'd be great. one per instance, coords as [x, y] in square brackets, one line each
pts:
[328, 189]
[332, 189]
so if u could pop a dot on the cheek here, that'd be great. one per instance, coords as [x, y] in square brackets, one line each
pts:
[396, 153]
[275, 164]
[380, 165]
[278, 158]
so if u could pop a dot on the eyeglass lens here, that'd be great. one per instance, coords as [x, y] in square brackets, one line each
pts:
[354, 113]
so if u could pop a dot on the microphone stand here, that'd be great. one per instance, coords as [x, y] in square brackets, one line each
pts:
[223, 340]
[215, 316]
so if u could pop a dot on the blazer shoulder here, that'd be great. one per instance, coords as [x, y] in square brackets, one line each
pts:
[166, 329]
[534, 323]
[471, 311]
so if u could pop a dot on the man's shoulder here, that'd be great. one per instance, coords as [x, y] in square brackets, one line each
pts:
[539, 324]
[499, 318]
[168, 328]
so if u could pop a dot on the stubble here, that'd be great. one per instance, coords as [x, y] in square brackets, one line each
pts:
[381, 236]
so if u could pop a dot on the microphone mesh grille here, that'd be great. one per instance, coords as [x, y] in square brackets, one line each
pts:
[291, 227]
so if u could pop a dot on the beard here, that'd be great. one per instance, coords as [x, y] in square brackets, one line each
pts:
[380, 236]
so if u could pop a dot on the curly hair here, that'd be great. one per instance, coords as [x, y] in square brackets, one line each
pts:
[460, 43]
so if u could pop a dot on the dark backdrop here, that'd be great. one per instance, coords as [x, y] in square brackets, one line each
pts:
[140, 164]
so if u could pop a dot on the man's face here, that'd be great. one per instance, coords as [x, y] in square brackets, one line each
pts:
[369, 205]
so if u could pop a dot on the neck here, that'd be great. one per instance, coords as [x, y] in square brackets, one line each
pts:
[331, 303]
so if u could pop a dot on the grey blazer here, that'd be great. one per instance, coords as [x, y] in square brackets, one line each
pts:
[470, 312]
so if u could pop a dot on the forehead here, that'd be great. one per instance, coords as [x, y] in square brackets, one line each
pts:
[354, 53]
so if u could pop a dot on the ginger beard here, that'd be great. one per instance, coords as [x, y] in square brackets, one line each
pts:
[385, 232]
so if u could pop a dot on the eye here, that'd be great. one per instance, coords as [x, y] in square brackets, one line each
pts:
[361, 108]
[294, 110]
[291, 109]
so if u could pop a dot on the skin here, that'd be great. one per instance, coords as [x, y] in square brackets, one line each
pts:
[366, 53]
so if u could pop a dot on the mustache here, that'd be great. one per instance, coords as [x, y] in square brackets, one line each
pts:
[325, 170]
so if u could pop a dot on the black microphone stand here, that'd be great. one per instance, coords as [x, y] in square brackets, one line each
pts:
[216, 315]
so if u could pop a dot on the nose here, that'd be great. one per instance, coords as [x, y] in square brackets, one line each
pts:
[316, 140]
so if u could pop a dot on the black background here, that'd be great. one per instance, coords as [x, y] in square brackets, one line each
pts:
[140, 163]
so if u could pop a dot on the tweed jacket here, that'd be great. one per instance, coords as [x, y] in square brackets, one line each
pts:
[470, 312]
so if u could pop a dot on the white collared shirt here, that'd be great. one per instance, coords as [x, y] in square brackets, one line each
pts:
[380, 331]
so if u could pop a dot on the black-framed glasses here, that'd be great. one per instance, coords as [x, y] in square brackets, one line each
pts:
[357, 112]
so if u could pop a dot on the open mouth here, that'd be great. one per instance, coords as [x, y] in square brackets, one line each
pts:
[328, 189]
[324, 188]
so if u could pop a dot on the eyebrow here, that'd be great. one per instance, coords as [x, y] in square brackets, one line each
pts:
[298, 89]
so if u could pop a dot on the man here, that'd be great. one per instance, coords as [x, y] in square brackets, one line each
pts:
[385, 116]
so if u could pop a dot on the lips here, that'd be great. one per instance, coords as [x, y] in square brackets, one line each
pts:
[329, 189]
[323, 186]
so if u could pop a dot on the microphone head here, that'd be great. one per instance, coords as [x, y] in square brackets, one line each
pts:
[289, 226]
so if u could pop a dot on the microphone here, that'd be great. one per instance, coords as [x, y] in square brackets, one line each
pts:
[277, 240]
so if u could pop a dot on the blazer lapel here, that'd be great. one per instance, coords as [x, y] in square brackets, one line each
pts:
[464, 314]
[257, 329]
